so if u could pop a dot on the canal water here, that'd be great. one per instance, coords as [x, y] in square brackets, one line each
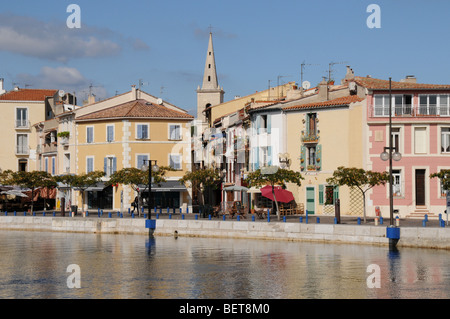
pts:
[50, 265]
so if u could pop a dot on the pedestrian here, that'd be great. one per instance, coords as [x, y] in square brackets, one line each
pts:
[134, 204]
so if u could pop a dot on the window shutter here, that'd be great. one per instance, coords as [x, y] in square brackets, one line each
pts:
[318, 157]
[258, 123]
[105, 165]
[114, 165]
[269, 123]
[321, 192]
[335, 194]
[303, 157]
[269, 155]
[139, 131]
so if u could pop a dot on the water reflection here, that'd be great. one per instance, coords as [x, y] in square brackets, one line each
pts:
[34, 265]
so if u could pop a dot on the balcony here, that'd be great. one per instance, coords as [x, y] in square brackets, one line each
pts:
[22, 125]
[310, 138]
[412, 111]
[22, 150]
[49, 148]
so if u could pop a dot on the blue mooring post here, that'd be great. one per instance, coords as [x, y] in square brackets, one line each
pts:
[393, 233]
[157, 216]
[121, 215]
[317, 220]
[223, 217]
[43, 213]
[170, 216]
[6, 213]
[284, 218]
[168, 210]
[196, 216]
[238, 218]
[181, 211]
[442, 223]
[129, 210]
[301, 219]
[359, 220]
[381, 220]
[335, 220]
[306, 217]
[182, 216]
[209, 216]
[54, 214]
[15, 214]
[24, 213]
[109, 214]
[253, 218]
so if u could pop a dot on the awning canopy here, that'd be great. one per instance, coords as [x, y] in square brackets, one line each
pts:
[168, 186]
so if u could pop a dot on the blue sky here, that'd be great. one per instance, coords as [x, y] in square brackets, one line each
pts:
[164, 43]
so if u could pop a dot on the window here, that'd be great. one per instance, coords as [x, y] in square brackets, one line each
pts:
[110, 133]
[21, 117]
[420, 140]
[23, 165]
[396, 138]
[402, 104]
[381, 105]
[428, 104]
[266, 156]
[22, 144]
[46, 164]
[142, 131]
[109, 165]
[175, 161]
[397, 183]
[53, 165]
[89, 164]
[311, 155]
[67, 162]
[445, 140]
[141, 160]
[175, 132]
[328, 194]
[444, 109]
[90, 134]
[263, 123]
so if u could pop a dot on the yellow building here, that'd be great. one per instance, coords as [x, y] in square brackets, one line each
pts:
[127, 135]
[20, 109]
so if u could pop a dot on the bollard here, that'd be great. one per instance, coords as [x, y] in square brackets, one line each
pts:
[168, 210]
[129, 210]
[34, 213]
[196, 216]
[43, 213]
[181, 211]
[301, 219]
[268, 217]
[284, 218]
[170, 216]
[359, 220]
[209, 216]
[145, 215]
[24, 213]
[15, 214]
[223, 217]
[442, 223]
[253, 218]
[54, 214]
[376, 221]
[6, 213]
[335, 220]
[132, 215]
[238, 218]
[187, 210]
[424, 223]
[397, 221]
[182, 215]
[87, 213]
[109, 215]
[381, 220]
[306, 218]
[318, 220]
[157, 216]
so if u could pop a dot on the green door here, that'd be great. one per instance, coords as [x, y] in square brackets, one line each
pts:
[310, 200]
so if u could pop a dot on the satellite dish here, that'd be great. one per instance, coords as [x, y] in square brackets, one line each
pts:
[159, 101]
[306, 85]
[61, 93]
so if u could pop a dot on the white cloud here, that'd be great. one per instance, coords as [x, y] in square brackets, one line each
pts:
[56, 42]
[64, 78]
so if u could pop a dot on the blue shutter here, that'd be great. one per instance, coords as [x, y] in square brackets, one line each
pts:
[105, 165]
[269, 155]
[114, 165]
[321, 193]
[144, 131]
[318, 157]
[139, 131]
[269, 123]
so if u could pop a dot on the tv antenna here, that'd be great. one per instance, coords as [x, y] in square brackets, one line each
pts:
[330, 65]
[302, 68]
[278, 84]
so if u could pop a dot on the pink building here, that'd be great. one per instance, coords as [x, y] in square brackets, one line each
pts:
[421, 133]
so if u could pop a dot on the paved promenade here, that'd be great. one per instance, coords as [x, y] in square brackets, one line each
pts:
[312, 219]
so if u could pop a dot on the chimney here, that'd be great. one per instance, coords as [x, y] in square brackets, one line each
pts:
[323, 90]
[349, 76]
[409, 79]
[2, 90]
[133, 92]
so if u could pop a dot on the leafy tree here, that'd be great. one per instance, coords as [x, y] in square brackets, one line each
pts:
[201, 180]
[444, 176]
[82, 182]
[280, 177]
[32, 180]
[358, 178]
[135, 177]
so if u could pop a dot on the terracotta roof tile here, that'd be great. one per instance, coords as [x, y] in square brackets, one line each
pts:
[27, 95]
[335, 102]
[135, 109]
[379, 84]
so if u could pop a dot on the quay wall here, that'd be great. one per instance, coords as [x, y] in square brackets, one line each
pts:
[419, 237]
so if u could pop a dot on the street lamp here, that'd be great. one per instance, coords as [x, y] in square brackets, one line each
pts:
[393, 154]
[151, 168]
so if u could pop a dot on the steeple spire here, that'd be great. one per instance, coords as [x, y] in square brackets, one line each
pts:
[210, 93]
[210, 74]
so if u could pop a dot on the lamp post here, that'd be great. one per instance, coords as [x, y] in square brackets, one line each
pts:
[150, 168]
[393, 154]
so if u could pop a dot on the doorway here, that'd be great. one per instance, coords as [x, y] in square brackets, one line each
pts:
[310, 201]
[420, 187]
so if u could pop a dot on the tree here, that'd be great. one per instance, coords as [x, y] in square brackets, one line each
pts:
[83, 181]
[32, 180]
[358, 178]
[280, 177]
[201, 180]
[444, 176]
[136, 178]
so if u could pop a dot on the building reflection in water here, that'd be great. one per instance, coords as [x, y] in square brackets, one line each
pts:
[127, 266]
